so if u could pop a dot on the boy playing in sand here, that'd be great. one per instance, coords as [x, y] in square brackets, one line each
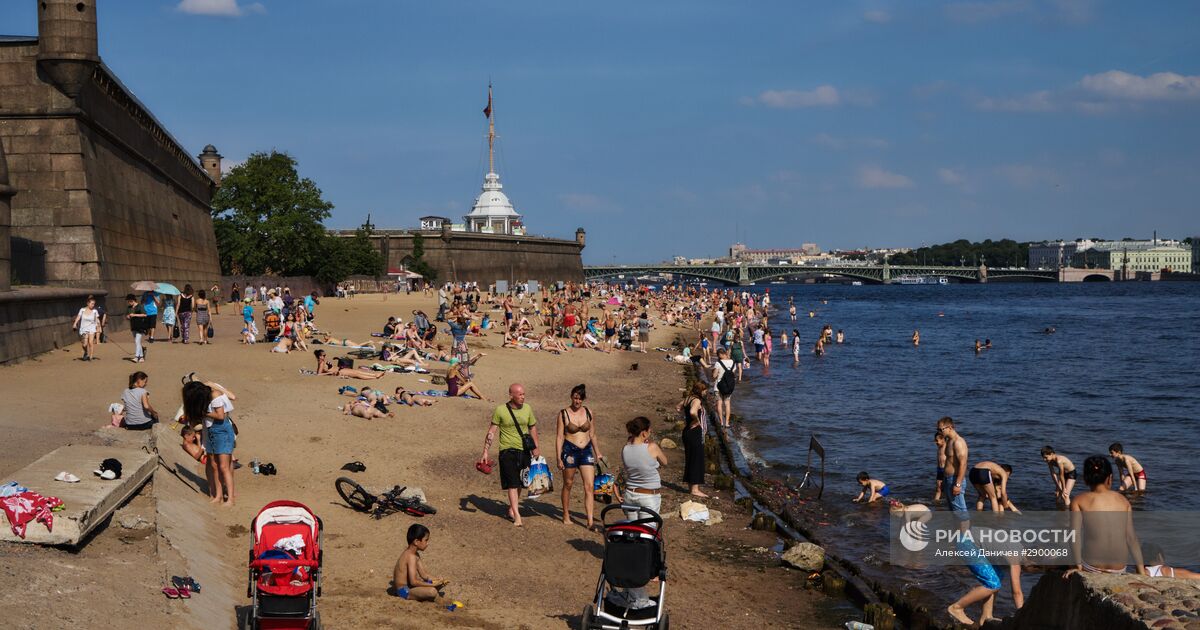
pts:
[191, 444]
[1130, 471]
[409, 578]
[872, 489]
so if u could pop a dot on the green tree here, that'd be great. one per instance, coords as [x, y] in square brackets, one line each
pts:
[268, 219]
[419, 264]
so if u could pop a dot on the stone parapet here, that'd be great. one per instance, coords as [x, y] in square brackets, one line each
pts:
[34, 320]
[1114, 602]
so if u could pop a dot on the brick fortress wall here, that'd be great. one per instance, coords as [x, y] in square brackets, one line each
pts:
[103, 195]
[486, 258]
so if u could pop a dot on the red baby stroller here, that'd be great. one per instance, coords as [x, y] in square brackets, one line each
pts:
[285, 568]
[633, 556]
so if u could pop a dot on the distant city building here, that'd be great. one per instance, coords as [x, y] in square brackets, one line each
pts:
[434, 223]
[740, 253]
[1055, 254]
[1133, 256]
[1196, 254]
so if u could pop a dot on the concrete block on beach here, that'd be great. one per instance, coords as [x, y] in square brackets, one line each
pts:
[87, 503]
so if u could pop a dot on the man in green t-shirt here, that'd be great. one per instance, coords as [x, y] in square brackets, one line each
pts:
[513, 456]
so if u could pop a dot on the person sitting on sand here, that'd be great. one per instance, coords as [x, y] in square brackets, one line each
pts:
[585, 340]
[191, 444]
[872, 489]
[1156, 564]
[329, 340]
[325, 367]
[439, 353]
[550, 343]
[458, 385]
[409, 578]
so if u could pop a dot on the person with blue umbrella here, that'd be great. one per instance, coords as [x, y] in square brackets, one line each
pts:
[169, 317]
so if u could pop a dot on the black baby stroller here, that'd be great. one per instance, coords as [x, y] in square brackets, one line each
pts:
[625, 338]
[633, 555]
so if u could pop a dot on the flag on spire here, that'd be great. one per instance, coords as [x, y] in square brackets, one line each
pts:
[487, 111]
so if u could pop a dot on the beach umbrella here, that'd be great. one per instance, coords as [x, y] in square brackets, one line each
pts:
[144, 285]
[166, 288]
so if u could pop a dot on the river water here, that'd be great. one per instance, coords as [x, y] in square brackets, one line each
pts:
[1122, 366]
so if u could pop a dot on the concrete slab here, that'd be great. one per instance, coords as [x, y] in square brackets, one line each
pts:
[88, 502]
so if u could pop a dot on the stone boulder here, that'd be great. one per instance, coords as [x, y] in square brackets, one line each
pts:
[668, 443]
[805, 556]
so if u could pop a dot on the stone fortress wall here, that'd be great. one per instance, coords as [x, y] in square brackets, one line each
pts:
[101, 194]
[485, 258]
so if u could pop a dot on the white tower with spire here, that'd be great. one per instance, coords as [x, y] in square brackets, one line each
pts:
[493, 213]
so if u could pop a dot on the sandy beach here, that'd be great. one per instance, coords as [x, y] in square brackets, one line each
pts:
[538, 576]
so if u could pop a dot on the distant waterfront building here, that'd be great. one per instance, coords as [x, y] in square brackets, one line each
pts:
[1055, 254]
[434, 223]
[1196, 254]
[1134, 256]
[740, 253]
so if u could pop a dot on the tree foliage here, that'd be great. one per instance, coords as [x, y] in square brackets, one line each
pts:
[419, 264]
[269, 220]
[1002, 253]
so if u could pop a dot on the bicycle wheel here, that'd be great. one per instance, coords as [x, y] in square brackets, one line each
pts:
[354, 495]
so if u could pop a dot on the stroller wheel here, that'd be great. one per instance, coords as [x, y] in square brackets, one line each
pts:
[585, 620]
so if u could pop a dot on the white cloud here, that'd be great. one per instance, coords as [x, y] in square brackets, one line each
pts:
[820, 96]
[1029, 176]
[979, 11]
[225, 8]
[1161, 86]
[950, 176]
[839, 143]
[875, 177]
[1040, 101]
[878, 16]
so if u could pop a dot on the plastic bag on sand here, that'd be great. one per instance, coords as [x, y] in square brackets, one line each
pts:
[692, 511]
[537, 478]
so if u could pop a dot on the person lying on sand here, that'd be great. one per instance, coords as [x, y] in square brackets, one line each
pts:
[325, 367]
[364, 407]
[406, 397]
[329, 340]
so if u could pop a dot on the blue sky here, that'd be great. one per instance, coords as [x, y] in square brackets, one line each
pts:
[677, 127]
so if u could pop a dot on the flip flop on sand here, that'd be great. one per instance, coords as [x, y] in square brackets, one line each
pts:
[171, 593]
[66, 477]
[355, 467]
[185, 584]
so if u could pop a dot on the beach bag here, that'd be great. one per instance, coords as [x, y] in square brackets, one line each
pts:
[210, 330]
[175, 332]
[537, 478]
[728, 379]
[693, 511]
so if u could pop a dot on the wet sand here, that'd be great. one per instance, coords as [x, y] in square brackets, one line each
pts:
[538, 576]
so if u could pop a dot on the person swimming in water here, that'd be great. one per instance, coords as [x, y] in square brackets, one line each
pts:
[916, 338]
[841, 336]
[872, 489]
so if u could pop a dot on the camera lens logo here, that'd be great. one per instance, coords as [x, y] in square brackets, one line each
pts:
[914, 536]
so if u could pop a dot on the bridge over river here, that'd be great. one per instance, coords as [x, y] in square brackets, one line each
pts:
[746, 273]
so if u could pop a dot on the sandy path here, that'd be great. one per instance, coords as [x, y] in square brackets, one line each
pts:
[539, 576]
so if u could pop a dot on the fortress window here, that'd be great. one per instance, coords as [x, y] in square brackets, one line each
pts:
[79, 7]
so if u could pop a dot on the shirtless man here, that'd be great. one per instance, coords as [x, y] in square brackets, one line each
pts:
[956, 470]
[1062, 471]
[1103, 524]
[991, 482]
[1131, 472]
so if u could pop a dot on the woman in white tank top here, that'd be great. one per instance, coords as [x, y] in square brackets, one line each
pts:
[641, 459]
